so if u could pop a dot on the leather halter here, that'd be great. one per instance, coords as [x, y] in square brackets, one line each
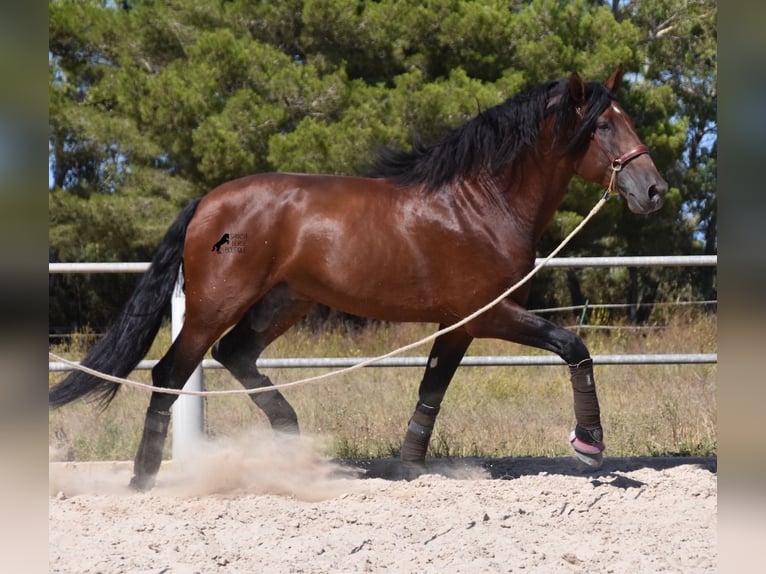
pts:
[619, 162]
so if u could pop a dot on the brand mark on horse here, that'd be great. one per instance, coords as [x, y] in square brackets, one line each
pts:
[234, 243]
[222, 241]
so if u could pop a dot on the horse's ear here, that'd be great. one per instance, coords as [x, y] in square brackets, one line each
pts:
[615, 80]
[577, 89]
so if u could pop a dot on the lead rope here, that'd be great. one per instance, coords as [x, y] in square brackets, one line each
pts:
[370, 361]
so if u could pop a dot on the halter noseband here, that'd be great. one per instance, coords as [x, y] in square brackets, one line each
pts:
[619, 162]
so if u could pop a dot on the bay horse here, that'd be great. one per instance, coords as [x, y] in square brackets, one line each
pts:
[430, 235]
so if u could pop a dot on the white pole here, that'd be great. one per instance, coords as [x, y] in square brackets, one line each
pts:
[188, 425]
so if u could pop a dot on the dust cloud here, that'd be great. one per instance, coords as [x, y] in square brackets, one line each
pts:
[251, 463]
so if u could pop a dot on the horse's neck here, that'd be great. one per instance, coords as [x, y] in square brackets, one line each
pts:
[535, 188]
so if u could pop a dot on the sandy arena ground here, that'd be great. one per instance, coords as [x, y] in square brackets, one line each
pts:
[240, 508]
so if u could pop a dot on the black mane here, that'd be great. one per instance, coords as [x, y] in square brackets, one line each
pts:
[495, 137]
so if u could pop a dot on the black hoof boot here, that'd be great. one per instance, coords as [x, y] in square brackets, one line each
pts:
[419, 429]
[142, 483]
[410, 471]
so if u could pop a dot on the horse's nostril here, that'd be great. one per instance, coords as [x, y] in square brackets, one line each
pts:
[657, 191]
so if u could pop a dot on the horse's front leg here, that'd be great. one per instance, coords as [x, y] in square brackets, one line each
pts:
[511, 322]
[443, 361]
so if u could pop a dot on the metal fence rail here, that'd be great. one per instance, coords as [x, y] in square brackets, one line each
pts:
[559, 262]
[469, 361]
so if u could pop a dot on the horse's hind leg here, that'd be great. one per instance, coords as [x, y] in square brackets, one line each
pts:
[443, 361]
[239, 349]
[171, 372]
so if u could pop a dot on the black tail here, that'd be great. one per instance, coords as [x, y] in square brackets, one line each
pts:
[128, 340]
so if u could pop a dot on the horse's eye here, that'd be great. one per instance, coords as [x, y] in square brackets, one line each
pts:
[602, 126]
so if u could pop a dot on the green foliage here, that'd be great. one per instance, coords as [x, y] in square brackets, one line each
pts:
[557, 37]
[153, 103]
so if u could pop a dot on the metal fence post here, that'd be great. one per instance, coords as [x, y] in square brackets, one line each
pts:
[188, 411]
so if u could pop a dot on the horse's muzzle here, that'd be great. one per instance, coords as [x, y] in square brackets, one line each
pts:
[651, 202]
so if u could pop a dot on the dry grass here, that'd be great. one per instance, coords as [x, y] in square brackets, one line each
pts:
[488, 411]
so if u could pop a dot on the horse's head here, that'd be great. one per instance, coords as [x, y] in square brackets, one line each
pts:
[615, 150]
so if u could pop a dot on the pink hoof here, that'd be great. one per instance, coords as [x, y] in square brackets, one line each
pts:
[590, 454]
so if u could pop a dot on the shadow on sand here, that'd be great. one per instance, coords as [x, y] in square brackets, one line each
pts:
[515, 467]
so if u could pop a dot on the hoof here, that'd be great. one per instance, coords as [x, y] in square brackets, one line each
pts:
[410, 471]
[591, 455]
[142, 484]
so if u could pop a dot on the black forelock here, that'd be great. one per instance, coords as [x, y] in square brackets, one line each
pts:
[598, 98]
[495, 137]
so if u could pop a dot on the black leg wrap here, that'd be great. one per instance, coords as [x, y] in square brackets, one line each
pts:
[587, 411]
[586, 406]
[149, 455]
[419, 429]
